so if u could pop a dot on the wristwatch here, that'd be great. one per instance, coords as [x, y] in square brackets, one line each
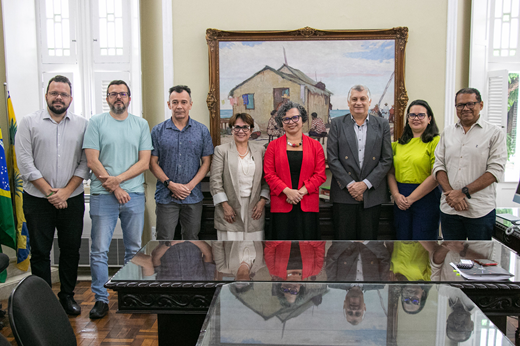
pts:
[466, 192]
[166, 183]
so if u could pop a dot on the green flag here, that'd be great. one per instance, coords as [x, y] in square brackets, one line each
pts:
[7, 228]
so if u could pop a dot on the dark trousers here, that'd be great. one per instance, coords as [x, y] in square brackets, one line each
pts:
[354, 222]
[456, 227]
[421, 220]
[42, 219]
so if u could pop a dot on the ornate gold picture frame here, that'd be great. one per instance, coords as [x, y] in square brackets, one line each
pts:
[256, 71]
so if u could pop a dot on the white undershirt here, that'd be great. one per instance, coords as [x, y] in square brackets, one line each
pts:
[246, 172]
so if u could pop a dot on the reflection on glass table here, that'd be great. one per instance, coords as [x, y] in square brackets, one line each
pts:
[346, 314]
[316, 261]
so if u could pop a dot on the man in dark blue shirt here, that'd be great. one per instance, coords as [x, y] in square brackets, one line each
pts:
[180, 159]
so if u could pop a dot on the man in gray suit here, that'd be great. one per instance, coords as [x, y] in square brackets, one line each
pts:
[359, 154]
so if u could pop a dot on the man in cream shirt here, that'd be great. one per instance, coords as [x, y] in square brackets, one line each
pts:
[469, 160]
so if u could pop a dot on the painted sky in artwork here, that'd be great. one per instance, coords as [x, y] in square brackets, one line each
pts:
[338, 64]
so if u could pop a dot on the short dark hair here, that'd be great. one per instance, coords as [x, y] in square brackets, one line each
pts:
[119, 82]
[287, 106]
[469, 91]
[314, 115]
[179, 89]
[59, 79]
[429, 133]
[244, 116]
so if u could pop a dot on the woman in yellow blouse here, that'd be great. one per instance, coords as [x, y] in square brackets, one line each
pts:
[415, 192]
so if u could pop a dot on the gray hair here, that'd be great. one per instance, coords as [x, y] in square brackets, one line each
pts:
[287, 106]
[359, 87]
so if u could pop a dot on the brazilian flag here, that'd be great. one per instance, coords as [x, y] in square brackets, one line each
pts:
[23, 248]
[7, 229]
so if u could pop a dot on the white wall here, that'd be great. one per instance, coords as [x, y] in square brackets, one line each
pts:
[20, 47]
[425, 51]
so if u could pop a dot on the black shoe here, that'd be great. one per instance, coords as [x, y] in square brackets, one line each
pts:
[99, 310]
[70, 306]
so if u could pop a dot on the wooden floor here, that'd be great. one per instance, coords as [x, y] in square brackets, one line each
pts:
[125, 329]
[113, 329]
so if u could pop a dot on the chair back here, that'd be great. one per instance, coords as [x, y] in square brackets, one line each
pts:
[4, 341]
[4, 262]
[36, 316]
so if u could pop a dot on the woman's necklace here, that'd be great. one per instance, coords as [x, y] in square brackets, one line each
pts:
[242, 156]
[245, 166]
[294, 145]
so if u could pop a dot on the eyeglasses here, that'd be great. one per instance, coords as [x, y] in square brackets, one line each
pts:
[244, 128]
[288, 290]
[114, 95]
[287, 120]
[470, 105]
[56, 94]
[419, 116]
[411, 300]
[352, 313]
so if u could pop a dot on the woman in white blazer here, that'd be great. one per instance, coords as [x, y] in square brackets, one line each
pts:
[237, 185]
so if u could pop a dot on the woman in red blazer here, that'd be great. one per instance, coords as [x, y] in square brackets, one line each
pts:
[294, 167]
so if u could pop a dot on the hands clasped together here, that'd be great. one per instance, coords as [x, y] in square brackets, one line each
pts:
[180, 191]
[295, 196]
[111, 184]
[58, 198]
[356, 190]
[456, 199]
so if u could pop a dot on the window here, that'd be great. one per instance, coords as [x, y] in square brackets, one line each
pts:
[504, 26]
[249, 101]
[92, 43]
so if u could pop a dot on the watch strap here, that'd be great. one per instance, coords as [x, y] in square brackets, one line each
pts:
[466, 192]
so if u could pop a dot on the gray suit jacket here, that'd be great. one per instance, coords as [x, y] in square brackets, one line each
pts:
[343, 160]
[224, 186]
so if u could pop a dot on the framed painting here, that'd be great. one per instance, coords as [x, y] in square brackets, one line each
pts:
[255, 72]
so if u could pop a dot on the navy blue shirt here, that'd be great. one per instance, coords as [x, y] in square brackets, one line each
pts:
[179, 154]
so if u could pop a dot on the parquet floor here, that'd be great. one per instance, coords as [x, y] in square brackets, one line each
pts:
[113, 329]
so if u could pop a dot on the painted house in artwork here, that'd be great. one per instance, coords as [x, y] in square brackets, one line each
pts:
[268, 89]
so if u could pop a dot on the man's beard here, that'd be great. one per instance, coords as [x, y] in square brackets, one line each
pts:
[120, 109]
[57, 111]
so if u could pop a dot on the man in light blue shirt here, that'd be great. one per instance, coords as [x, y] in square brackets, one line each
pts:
[180, 160]
[117, 145]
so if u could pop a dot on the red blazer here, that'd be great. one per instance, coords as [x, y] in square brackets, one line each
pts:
[276, 256]
[278, 174]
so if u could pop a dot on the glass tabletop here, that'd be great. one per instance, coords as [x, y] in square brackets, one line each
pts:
[314, 261]
[260, 313]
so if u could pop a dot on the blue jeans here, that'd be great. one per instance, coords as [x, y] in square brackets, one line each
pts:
[456, 227]
[104, 212]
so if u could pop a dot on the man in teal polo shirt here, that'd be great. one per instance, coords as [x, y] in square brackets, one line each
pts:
[118, 146]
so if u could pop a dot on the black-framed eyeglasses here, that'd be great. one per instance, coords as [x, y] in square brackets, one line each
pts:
[114, 94]
[56, 94]
[289, 290]
[470, 105]
[411, 300]
[294, 118]
[244, 128]
[352, 313]
[419, 116]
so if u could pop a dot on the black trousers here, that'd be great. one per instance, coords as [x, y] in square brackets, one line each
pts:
[42, 220]
[354, 222]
